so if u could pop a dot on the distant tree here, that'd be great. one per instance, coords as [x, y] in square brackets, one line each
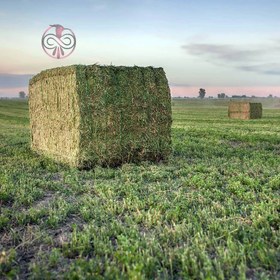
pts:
[270, 96]
[221, 95]
[22, 94]
[202, 93]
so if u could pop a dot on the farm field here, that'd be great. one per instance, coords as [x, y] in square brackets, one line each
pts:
[211, 212]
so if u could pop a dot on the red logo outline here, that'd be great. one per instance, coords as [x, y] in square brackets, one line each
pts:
[59, 44]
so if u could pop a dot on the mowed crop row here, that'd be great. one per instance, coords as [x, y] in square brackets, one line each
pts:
[211, 212]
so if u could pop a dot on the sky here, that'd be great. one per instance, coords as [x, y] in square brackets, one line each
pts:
[222, 46]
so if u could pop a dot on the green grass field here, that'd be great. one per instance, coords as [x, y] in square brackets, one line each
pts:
[211, 212]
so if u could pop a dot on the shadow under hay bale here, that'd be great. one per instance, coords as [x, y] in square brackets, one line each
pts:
[244, 110]
[106, 115]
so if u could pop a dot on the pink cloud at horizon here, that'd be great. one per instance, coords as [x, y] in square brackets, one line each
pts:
[261, 91]
[12, 92]
[185, 91]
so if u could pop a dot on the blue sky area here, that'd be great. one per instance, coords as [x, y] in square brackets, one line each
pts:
[223, 46]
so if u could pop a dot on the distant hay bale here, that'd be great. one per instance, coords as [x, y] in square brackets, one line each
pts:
[244, 110]
[107, 115]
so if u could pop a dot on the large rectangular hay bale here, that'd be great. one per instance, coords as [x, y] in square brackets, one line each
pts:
[244, 110]
[86, 115]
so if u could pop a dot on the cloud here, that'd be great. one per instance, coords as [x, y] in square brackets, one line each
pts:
[235, 90]
[14, 80]
[223, 52]
[269, 69]
[12, 92]
[242, 58]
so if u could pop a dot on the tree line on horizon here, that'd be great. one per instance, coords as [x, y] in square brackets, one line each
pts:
[202, 94]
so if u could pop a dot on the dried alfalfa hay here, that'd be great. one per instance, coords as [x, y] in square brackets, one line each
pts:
[107, 115]
[244, 110]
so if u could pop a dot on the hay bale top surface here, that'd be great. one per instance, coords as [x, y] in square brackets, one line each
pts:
[65, 70]
[243, 105]
[53, 72]
[243, 102]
